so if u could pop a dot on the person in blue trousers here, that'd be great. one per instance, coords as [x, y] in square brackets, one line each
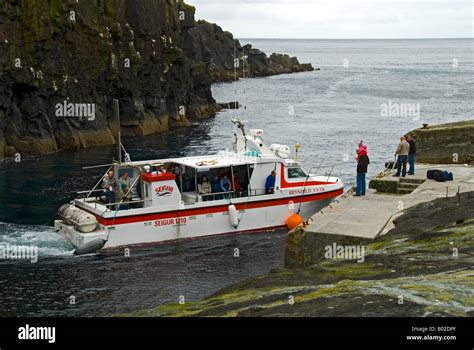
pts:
[402, 152]
[363, 162]
[411, 154]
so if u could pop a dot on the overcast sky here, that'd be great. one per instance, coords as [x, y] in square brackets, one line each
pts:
[340, 18]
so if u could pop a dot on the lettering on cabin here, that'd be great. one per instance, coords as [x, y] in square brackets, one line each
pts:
[164, 190]
[170, 222]
[307, 190]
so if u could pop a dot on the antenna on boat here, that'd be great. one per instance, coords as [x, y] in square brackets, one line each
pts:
[244, 60]
[119, 134]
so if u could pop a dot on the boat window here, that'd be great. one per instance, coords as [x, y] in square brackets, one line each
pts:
[294, 173]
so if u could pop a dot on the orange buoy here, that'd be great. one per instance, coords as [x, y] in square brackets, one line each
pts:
[293, 221]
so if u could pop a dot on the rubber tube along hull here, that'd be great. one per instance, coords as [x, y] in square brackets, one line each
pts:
[90, 247]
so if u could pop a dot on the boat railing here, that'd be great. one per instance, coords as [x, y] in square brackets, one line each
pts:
[254, 192]
[118, 204]
[331, 168]
[212, 196]
[231, 194]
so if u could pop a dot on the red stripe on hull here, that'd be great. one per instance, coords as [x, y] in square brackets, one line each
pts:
[215, 209]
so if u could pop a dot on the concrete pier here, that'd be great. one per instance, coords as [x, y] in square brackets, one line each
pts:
[373, 215]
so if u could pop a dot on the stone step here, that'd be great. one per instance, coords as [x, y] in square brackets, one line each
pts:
[411, 180]
[404, 191]
[407, 186]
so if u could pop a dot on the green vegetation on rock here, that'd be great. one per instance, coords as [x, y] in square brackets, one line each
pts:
[423, 267]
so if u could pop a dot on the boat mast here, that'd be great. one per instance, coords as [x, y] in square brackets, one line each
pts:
[119, 134]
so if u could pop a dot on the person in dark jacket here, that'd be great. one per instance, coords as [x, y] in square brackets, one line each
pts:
[411, 154]
[362, 165]
[270, 183]
[216, 187]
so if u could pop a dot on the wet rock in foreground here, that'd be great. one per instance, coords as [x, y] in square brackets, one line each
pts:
[423, 267]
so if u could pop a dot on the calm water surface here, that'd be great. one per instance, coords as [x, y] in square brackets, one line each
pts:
[328, 111]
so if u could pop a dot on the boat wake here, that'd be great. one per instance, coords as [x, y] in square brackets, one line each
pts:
[49, 243]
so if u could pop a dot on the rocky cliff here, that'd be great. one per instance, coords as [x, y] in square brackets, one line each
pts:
[63, 61]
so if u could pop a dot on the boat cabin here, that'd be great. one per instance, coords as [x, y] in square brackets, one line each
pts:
[179, 182]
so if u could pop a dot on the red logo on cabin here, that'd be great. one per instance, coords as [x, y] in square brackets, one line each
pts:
[164, 190]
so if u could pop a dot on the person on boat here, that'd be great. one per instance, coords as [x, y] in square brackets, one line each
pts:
[226, 186]
[124, 187]
[216, 187]
[162, 170]
[270, 183]
[109, 184]
[188, 184]
[204, 189]
[236, 185]
[362, 165]
[175, 170]
[411, 154]
[402, 152]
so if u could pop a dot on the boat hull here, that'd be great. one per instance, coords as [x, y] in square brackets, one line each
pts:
[214, 220]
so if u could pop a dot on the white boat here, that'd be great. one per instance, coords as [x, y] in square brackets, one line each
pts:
[163, 203]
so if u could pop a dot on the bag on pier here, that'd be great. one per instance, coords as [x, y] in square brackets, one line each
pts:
[430, 174]
[439, 175]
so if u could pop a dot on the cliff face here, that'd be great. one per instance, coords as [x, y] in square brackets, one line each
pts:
[151, 55]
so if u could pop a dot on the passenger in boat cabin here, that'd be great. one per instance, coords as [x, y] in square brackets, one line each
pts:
[124, 187]
[226, 186]
[270, 183]
[175, 170]
[109, 184]
[188, 184]
[236, 186]
[204, 189]
[216, 187]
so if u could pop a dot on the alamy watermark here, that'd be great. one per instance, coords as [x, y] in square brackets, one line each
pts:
[19, 252]
[75, 110]
[345, 252]
[397, 109]
[37, 333]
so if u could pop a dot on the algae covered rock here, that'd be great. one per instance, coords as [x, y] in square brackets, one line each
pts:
[423, 267]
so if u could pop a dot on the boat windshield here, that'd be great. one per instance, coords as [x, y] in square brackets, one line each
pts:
[295, 173]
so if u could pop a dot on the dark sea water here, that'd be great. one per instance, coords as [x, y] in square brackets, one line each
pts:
[328, 111]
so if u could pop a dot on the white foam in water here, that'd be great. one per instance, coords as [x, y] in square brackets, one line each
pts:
[49, 242]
